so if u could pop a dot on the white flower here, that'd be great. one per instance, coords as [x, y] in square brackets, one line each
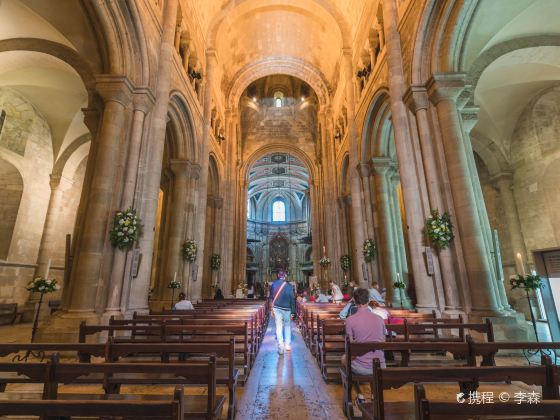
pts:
[125, 239]
[125, 229]
[120, 234]
[121, 222]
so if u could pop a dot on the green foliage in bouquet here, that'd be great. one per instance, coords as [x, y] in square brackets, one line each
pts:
[125, 230]
[345, 262]
[190, 250]
[369, 249]
[530, 282]
[42, 285]
[439, 229]
[215, 262]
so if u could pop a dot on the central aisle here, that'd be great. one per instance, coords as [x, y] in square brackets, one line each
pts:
[288, 386]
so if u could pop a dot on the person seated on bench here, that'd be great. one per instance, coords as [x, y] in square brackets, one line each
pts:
[374, 294]
[322, 298]
[364, 326]
[349, 309]
[183, 303]
[377, 309]
[336, 293]
[219, 295]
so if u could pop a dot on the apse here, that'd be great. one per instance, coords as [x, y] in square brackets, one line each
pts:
[278, 219]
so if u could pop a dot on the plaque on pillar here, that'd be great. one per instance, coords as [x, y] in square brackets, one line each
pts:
[497, 256]
[429, 261]
[194, 272]
[365, 273]
[136, 258]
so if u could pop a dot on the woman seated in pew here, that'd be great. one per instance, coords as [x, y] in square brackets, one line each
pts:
[336, 293]
[183, 303]
[364, 326]
[377, 309]
[322, 298]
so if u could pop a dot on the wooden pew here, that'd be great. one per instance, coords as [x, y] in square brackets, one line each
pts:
[431, 410]
[488, 351]
[353, 350]
[162, 351]
[84, 352]
[171, 409]
[468, 379]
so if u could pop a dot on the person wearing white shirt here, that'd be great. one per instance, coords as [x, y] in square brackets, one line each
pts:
[375, 295]
[336, 293]
[377, 309]
[183, 303]
[322, 298]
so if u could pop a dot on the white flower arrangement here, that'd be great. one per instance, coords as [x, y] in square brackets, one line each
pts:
[215, 262]
[190, 250]
[369, 249]
[43, 285]
[325, 262]
[174, 284]
[125, 230]
[439, 229]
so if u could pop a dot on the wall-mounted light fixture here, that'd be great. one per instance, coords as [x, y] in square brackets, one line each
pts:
[220, 138]
[195, 75]
[337, 135]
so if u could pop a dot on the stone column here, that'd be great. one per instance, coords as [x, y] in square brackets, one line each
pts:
[143, 101]
[218, 236]
[417, 100]
[211, 64]
[357, 218]
[138, 293]
[415, 217]
[386, 252]
[58, 184]
[190, 215]
[444, 90]
[177, 220]
[116, 93]
[503, 182]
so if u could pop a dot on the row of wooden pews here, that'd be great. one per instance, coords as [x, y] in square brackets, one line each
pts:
[468, 378]
[213, 346]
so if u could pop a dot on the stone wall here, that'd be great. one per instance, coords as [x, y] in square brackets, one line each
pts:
[535, 163]
[26, 143]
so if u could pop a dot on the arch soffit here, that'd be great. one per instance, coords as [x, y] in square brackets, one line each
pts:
[290, 66]
[71, 157]
[374, 143]
[326, 5]
[60, 51]
[182, 127]
[278, 148]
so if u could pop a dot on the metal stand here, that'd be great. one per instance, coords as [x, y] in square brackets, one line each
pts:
[40, 354]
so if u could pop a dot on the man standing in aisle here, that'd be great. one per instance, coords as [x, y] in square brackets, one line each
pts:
[283, 308]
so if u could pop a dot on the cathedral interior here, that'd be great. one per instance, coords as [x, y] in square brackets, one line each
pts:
[156, 147]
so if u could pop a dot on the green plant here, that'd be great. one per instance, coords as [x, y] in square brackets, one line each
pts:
[43, 285]
[439, 229]
[345, 262]
[530, 282]
[369, 249]
[325, 262]
[190, 250]
[215, 262]
[125, 230]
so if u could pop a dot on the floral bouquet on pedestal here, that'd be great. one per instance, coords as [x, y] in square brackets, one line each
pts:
[325, 262]
[530, 282]
[42, 285]
[439, 229]
[369, 250]
[174, 284]
[190, 250]
[215, 262]
[125, 230]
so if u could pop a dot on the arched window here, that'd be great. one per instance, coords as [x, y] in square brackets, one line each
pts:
[248, 208]
[278, 102]
[278, 98]
[278, 211]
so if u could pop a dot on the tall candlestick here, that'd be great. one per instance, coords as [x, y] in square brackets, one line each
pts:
[48, 269]
[175, 278]
[324, 250]
[520, 259]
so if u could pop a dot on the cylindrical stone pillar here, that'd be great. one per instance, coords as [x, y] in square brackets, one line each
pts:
[443, 90]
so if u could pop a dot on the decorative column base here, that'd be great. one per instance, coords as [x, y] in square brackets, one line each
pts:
[64, 327]
[507, 327]
[110, 312]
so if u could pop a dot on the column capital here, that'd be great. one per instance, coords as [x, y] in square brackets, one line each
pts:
[364, 169]
[179, 167]
[60, 181]
[143, 100]
[114, 88]
[194, 170]
[381, 165]
[445, 86]
[504, 177]
[469, 116]
[416, 98]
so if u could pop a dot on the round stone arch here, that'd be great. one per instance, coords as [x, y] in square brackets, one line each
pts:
[182, 127]
[275, 65]
[375, 139]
